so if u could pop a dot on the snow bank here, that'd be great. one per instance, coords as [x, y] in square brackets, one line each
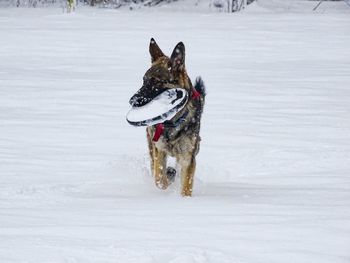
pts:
[272, 183]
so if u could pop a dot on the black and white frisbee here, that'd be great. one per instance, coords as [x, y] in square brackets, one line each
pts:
[162, 108]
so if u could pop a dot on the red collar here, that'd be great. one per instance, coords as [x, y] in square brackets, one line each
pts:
[160, 126]
[195, 94]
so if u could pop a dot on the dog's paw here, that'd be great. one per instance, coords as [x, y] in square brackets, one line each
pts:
[162, 183]
[170, 174]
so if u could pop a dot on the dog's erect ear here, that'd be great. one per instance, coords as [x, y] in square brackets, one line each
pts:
[178, 56]
[155, 51]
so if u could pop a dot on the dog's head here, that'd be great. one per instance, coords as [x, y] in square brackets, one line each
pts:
[164, 73]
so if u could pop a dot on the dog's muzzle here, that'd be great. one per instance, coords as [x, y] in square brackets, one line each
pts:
[149, 90]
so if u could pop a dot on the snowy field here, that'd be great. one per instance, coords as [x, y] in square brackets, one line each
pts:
[273, 177]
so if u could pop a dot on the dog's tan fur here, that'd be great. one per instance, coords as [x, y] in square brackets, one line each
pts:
[182, 142]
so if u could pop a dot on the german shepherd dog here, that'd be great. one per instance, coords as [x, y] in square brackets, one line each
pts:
[178, 137]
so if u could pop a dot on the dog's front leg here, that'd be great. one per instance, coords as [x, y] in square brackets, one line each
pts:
[188, 167]
[151, 151]
[159, 163]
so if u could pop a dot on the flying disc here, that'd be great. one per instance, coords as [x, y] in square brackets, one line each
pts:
[162, 108]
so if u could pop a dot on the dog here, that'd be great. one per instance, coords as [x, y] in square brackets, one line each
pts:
[179, 137]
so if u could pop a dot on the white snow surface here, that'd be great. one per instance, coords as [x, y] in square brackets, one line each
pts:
[273, 173]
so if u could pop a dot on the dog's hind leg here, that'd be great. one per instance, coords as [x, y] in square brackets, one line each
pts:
[170, 174]
[188, 167]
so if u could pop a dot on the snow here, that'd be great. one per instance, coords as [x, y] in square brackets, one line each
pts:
[301, 6]
[272, 181]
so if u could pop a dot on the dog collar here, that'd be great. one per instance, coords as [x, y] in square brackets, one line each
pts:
[159, 131]
[195, 94]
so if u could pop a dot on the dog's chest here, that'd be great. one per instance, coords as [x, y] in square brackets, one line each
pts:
[181, 137]
[176, 147]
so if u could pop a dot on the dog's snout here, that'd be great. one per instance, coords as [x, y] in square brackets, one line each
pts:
[145, 95]
[138, 100]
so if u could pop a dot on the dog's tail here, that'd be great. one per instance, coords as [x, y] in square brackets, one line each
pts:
[200, 87]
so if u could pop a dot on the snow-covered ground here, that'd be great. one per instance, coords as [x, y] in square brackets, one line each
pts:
[273, 177]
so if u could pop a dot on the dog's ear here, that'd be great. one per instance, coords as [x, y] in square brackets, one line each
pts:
[178, 56]
[155, 51]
